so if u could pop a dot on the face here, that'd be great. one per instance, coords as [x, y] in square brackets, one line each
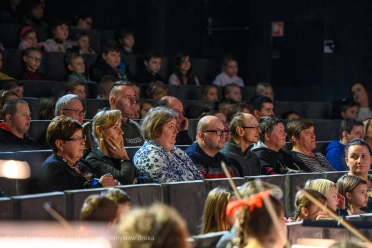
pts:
[277, 137]
[145, 109]
[351, 113]
[80, 91]
[359, 160]
[176, 105]
[19, 123]
[113, 132]
[137, 89]
[251, 134]
[19, 90]
[268, 91]
[73, 149]
[74, 109]
[77, 65]
[267, 109]
[128, 41]
[31, 39]
[356, 133]
[212, 141]
[136, 114]
[221, 116]
[235, 94]
[368, 133]
[85, 23]
[168, 135]
[212, 94]
[332, 200]
[358, 196]
[33, 60]
[125, 101]
[61, 32]
[359, 93]
[231, 69]
[112, 58]
[293, 116]
[37, 12]
[185, 64]
[159, 95]
[153, 65]
[307, 139]
[313, 211]
[84, 43]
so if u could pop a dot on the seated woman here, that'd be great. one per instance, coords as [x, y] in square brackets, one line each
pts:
[65, 170]
[362, 95]
[302, 136]
[158, 158]
[110, 155]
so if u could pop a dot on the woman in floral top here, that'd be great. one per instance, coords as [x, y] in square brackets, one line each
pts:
[158, 158]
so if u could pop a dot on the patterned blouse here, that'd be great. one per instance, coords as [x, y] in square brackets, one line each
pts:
[162, 166]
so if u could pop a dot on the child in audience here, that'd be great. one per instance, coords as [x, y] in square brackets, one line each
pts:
[229, 73]
[105, 86]
[151, 72]
[335, 201]
[32, 58]
[99, 208]
[76, 87]
[183, 73]
[354, 189]
[126, 39]
[28, 38]
[137, 89]
[156, 90]
[3, 76]
[47, 107]
[349, 109]
[120, 197]
[232, 91]
[59, 42]
[5, 95]
[290, 115]
[264, 89]
[238, 107]
[75, 64]
[35, 14]
[145, 106]
[210, 93]
[14, 86]
[307, 210]
[82, 21]
[225, 104]
[82, 44]
[214, 217]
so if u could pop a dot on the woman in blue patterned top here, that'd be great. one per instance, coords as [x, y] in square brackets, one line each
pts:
[158, 158]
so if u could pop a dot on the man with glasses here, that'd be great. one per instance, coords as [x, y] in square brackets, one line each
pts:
[123, 97]
[205, 153]
[245, 131]
[71, 106]
[272, 139]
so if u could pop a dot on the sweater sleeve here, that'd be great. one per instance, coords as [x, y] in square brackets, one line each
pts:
[54, 179]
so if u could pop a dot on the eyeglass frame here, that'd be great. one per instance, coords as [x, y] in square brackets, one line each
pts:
[77, 112]
[35, 59]
[256, 128]
[226, 132]
[82, 138]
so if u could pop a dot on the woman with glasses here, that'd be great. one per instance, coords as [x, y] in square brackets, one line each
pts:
[64, 169]
[158, 158]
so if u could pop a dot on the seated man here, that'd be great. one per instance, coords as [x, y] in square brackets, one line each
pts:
[205, 153]
[71, 106]
[262, 106]
[182, 122]
[350, 129]
[273, 159]
[245, 131]
[13, 131]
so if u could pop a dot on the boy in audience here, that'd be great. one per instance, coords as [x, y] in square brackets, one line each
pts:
[349, 109]
[77, 87]
[3, 76]
[150, 73]
[105, 86]
[127, 40]
[16, 87]
[225, 104]
[75, 63]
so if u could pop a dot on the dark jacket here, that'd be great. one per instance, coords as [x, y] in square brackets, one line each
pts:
[146, 77]
[132, 134]
[100, 69]
[11, 143]
[183, 138]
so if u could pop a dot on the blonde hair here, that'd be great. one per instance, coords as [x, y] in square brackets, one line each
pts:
[104, 119]
[98, 208]
[323, 186]
[214, 217]
[153, 122]
[116, 195]
[301, 201]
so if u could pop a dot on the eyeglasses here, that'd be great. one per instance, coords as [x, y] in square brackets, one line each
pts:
[128, 98]
[77, 112]
[82, 138]
[35, 59]
[256, 128]
[218, 132]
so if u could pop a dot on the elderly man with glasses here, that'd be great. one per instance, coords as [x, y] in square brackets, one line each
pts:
[205, 153]
[71, 106]
[245, 131]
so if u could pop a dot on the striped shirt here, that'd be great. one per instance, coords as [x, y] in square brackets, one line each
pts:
[318, 163]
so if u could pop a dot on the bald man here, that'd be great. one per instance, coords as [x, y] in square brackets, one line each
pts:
[182, 125]
[205, 153]
[245, 131]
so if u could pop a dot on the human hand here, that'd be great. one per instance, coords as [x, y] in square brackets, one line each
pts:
[135, 181]
[184, 124]
[108, 180]
[116, 149]
[341, 201]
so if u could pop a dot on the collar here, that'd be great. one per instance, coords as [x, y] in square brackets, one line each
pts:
[6, 128]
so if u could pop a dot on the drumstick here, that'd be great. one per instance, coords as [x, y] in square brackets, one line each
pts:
[232, 184]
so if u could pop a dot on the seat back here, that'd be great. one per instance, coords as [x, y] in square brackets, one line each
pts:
[56, 67]
[204, 69]
[247, 92]
[135, 64]
[186, 92]
[282, 107]
[39, 89]
[6, 208]
[222, 182]
[37, 130]
[333, 175]
[93, 105]
[142, 195]
[34, 105]
[317, 110]
[207, 240]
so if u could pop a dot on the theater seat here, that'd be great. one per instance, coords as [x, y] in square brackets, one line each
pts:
[186, 92]
[324, 130]
[142, 194]
[188, 103]
[317, 110]
[37, 130]
[14, 63]
[92, 106]
[321, 147]
[6, 208]
[135, 64]
[55, 65]
[296, 230]
[131, 151]
[222, 182]
[9, 37]
[193, 124]
[333, 175]
[281, 107]
[247, 92]
[212, 105]
[34, 105]
[207, 240]
[166, 69]
[89, 60]
[39, 89]
[204, 69]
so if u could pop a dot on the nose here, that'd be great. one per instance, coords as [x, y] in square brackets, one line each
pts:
[121, 132]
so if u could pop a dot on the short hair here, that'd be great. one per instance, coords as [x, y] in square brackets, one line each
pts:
[61, 127]
[155, 88]
[11, 84]
[124, 32]
[348, 125]
[258, 101]
[70, 57]
[347, 184]
[98, 208]
[10, 107]
[116, 195]
[226, 101]
[63, 101]
[251, 187]
[323, 186]
[267, 124]
[108, 79]
[80, 35]
[4, 94]
[144, 101]
[28, 51]
[237, 121]
[72, 83]
[357, 142]
[237, 107]
[286, 114]
[301, 201]
[226, 59]
[228, 88]
[114, 91]
[151, 126]
[110, 46]
[260, 87]
[206, 89]
[24, 31]
[152, 54]
[104, 119]
[47, 107]
[347, 103]
[295, 127]
[196, 111]
[163, 223]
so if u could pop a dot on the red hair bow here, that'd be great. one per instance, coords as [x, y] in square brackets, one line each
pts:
[255, 201]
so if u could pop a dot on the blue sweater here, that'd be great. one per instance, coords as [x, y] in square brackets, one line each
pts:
[335, 153]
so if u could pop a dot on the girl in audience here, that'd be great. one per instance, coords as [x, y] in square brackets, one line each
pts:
[368, 131]
[210, 92]
[156, 90]
[264, 89]
[28, 39]
[360, 93]
[183, 73]
[335, 201]
[32, 58]
[232, 91]
[145, 106]
[307, 210]
[214, 217]
[229, 73]
[82, 22]
[3, 76]
[354, 189]
[35, 14]
[5, 95]
[100, 208]
[47, 108]
[59, 42]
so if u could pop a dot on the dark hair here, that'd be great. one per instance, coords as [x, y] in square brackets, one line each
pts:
[267, 124]
[237, 107]
[28, 51]
[357, 142]
[10, 107]
[347, 103]
[33, 4]
[348, 125]
[152, 54]
[286, 114]
[196, 112]
[228, 88]
[79, 35]
[224, 102]
[189, 74]
[206, 89]
[98, 208]
[57, 22]
[110, 46]
[11, 84]
[369, 94]
[258, 101]
[76, 19]
[154, 88]
[70, 57]
[24, 31]
[47, 107]
[123, 33]
[72, 83]
[295, 127]
[226, 59]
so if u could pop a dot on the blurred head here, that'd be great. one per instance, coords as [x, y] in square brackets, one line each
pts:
[305, 209]
[47, 108]
[174, 104]
[238, 107]
[126, 38]
[16, 87]
[28, 34]
[106, 84]
[83, 41]
[358, 157]
[230, 66]
[17, 116]
[106, 125]
[71, 106]
[327, 188]
[225, 104]
[145, 106]
[5, 95]
[32, 57]
[301, 134]
[367, 124]
[351, 129]
[233, 92]
[119, 197]
[123, 97]
[349, 109]
[210, 92]
[60, 30]
[111, 53]
[153, 62]
[244, 127]
[76, 87]
[84, 22]
[360, 94]
[265, 89]
[211, 134]
[36, 9]
[272, 132]
[157, 90]
[99, 208]
[291, 115]
[262, 106]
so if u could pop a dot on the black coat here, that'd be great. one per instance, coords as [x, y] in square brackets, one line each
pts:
[11, 143]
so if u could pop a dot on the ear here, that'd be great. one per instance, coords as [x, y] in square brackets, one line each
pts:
[24, 58]
[70, 67]
[61, 112]
[304, 212]
[267, 136]
[69, 92]
[294, 138]
[59, 144]
[344, 134]
[256, 113]
[98, 130]
[104, 56]
[346, 160]
[8, 118]
[112, 102]
[343, 114]
[239, 131]
[146, 63]
[200, 135]
[348, 195]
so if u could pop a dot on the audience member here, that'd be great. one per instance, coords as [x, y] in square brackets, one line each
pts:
[350, 129]
[123, 98]
[13, 131]
[245, 131]
[126, 39]
[152, 67]
[301, 135]
[214, 215]
[82, 44]
[28, 39]
[232, 91]
[262, 106]
[156, 90]
[75, 64]
[210, 92]
[225, 104]
[65, 169]
[367, 124]
[11, 12]
[182, 122]
[264, 89]
[35, 13]
[82, 21]
[205, 152]
[136, 114]
[229, 73]
[218, 114]
[32, 58]
[120, 198]
[290, 115]
[77, 87]
[99, 208]
[355, 190]
[16, 87]
[273, 159]
[236, 108]
[71, 106]
[360, 93]
[105, 86]
[3, 76]
[47, 108]
[5, 95]
[196, 112]
[306, 209]
[183, 72]
[145, 106]
[349, 109]
[137, 89]
[59, 42]
[158, 158]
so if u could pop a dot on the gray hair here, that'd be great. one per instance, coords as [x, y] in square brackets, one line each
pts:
[153, 122]
[63, 102]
